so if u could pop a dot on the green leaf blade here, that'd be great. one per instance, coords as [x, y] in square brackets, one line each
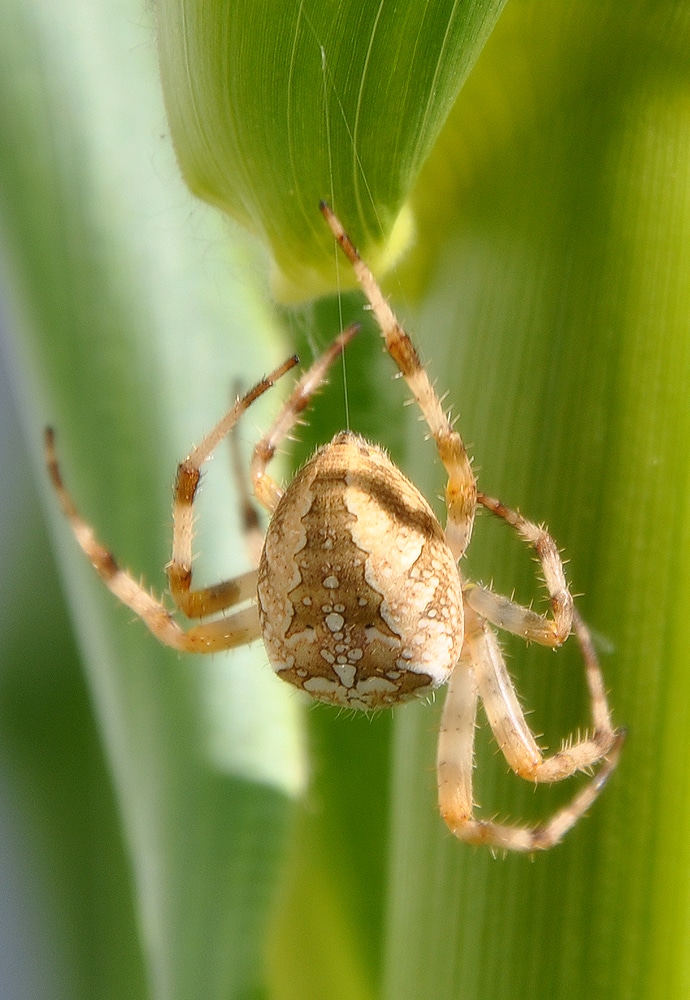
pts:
[129, 344]
[273, 108]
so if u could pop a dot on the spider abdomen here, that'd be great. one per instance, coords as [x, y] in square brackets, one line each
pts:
[359, 595]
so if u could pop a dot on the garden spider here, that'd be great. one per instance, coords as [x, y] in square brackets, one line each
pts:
[358, 595]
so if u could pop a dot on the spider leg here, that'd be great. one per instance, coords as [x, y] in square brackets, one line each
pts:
[482, 655]
[235, 630]
[461, 497]
[251, 525]
[266, 490]
[267, 487]
[512, 617]
[507, 719]
[208, 600]
[455, 752]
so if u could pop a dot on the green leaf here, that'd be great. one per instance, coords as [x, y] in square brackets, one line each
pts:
[273, 107]
[556, 306]
[134, 313]
[549, 292]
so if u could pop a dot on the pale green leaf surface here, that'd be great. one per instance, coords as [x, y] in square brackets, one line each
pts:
[134, 315]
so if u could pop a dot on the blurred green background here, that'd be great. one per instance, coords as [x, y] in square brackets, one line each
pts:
[172, 828]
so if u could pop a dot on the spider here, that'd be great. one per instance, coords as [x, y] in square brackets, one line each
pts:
[359, 596]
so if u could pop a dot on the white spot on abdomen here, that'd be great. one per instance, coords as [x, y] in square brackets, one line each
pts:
[346, 672]
[335, 622]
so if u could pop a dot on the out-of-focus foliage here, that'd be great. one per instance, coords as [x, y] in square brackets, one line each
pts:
[548, 288]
